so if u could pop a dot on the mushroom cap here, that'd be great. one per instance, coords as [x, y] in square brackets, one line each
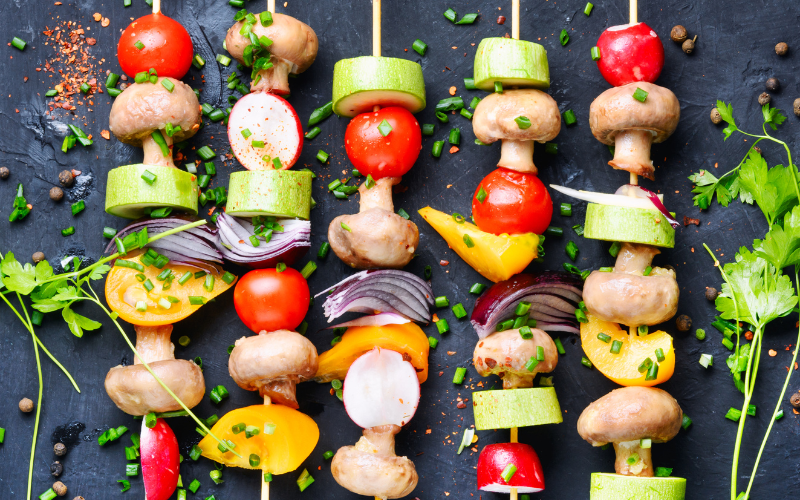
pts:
[495, 116]
[615, 110]
[506, 352]
[377, 238]
[144, 107]
[629, 414]
[136, 392]
[292, 41]
[278, 355]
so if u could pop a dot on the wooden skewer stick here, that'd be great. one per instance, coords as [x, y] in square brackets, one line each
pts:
[634, 7]
[267, 401]
[156, 6]
[376, 28]
[271, 6]
[514, 434]
[515, 21]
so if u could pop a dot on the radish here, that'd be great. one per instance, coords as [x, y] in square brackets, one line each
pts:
[517, 461]
[160, 460]
[381, 389]
[265, 132]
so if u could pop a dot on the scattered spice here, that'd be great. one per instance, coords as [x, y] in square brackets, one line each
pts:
[716, 118]
[71, 65]
[764, 98]
[782, 49]
[795, 400]
[25, 405]
[60, 488]
[773, 84]
[501, 19]
[38, 257]
[453, 150]
[678, 34]
[711, 293]
[56, 469]
[796, 107]
[684, 323]
[772, 353]
[4, 173]
[748, 335]
[453, 90]
[66, 178]
[60, 449]
[105, 134]
[444, 262]
[56, 193]
[689, 220]
[688, 45]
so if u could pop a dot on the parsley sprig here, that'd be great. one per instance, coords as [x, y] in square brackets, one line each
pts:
[755, 289]
[48, 292]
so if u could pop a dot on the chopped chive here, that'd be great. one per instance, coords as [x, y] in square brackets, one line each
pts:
[223, 59]
[419, 47]
[459, 311]
[522, 308]
[686, 422]
[733, 414]
[604, 337]
[320, 114]
[206, 153]
[508, 472]
[469, 84]
[428, 129]
[706, 360]
[168, 85]
[433, 342]
[551, 148]
[640, 95]
[450, 15]
[652, 373]
[565, 209]
[588, 9]
[437, 148]
[441, 301]
[308, 269]
[384, 128]
[468, 19]
[442, 326]
[458, 378]
[312, 133]
[196, 301]
[563, 37]
[19, 43]
[498, 87]
[643, 330]
[111, 80]
[595, 54]
[569, 117]
[442, 117]
[645, 365]
[616, 346]
[585, 362]
[466, 114]
[149, 177]
[660, 355]
[68, 231]
[559, 346]
[700, 334]
[572, 250]
[322, 156]
[265, 18]
[468, 241]
[455, 137]
[477, 288]
[525, 332]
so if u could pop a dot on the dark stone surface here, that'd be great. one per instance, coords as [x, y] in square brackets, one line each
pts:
[734, 56]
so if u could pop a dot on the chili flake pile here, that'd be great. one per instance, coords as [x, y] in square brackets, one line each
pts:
[71, 66]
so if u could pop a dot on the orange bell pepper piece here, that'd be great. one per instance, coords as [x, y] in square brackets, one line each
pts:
[294, 436]
[121, 283]
[622, 368]
[407, 339]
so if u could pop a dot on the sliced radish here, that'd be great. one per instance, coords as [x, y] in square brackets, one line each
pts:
[160, 460]
[270, 119]
[381, 389]
[495, 459]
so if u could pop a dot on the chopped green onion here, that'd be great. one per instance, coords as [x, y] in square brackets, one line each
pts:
[643, 330]
[585, 362]
[428, 129]
[384, 128]
[459, 311]
[228, 277]
[469, 84]
[477, 288]
[322, 156]
[216, 476]
[563, 37]
[313, 133]
[646, 443]
[132, 470]
[595, 54]
[660, 471]
[442, 326]
[565, 209]
[645, 365]
[554, 231]
[481, 196]
[308, 269]
[588, 11]
[433, 342]
[508, 472]
[551, 148]
[78, 207]
[85, 88]
[450, 15]
[615, 248]
[604, 337]
[206, 153]
[218, 393]
[455, 136]
[437, 147]
[168, 85]
[223, 60]
[751, 410]
[149, 177]
[468, 19]
[569, 117]
[498, 87]
[640, 95]
[700, 334]
[19, 43]
[52, 93]
[458, 378]
[647, 271]
[778, 416]
[320, 114]
[616, 346]
[525, 332]
[419, 47]
[466, 114]
[652, 373]
[346, 227]
[442, 117]
[734, 414]
[468, 241]
[441, 301]
[660, 355]
[559, 346]
[686, 422]
[68, 231]
[572, 250]
[265, 18]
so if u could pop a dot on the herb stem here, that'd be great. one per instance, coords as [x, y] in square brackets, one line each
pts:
[202, 425]
[29, 326]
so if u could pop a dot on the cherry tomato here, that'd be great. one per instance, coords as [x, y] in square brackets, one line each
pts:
[514, 203]
[161, 460]
[165, 46]
[372, 153]
[630, 53]
[268, 300]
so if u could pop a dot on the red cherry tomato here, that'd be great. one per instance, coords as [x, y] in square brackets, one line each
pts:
[167, 47]
[161, 460]
[630, 53]
[494, 458]
[372, 153]
[515, 203]
[268, 300]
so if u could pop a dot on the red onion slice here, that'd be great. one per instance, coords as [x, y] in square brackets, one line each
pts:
[286, 246]
[552, 295]
[380, 319]
[656, 201]
[192, 247]
[380, 291]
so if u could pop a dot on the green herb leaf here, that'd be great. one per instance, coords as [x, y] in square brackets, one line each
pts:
[16, 277]
[726, 112]
[77, 323]
[772, 116]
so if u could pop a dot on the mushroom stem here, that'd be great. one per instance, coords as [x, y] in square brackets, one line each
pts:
[634, 258]
[633, 460]
[379, 440]
[274, 79]
[379, 196]
[153, 154]
[632, 152]
[517, 155]
[153, 343]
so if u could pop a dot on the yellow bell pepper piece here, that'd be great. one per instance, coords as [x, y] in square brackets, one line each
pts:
[293, 438]
[497, 258]
[622, 368]
[406, 339]
[121, 284]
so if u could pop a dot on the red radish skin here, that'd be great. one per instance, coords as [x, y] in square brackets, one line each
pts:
[160, 460]
[529, 477]
[381, 388]
[630, 53]
[270, 119]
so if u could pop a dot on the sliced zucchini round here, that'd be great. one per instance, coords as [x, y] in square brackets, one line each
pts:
[281, 193]
[361, 83]
[514, 63]
[631, 225]
[133, 189]
[616, 487]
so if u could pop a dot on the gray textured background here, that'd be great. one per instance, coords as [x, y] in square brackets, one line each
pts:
[733, 58]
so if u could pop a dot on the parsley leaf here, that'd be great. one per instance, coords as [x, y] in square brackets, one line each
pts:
[772, 116]
[16, 277]
[726, 112]
[772, 189]
[77, 323]
[781, 246]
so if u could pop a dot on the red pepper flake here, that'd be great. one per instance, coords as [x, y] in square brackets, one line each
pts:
[501, 19]
[453, 90]
[76, 173]
[105, 134]
[451, 353]
[748, 335]
[454, 150]
[444, 262]
[461, 405]
[772, 353]
[689, 220]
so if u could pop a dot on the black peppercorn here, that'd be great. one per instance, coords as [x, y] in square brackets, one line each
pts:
[56, 468]
[711, 294]
[781, 49]
[684, 323]
[716, 118]
[56, 193]
[688, 45]
[797, 106]
[678, 34]
[764, 98]
[66, 178]
[4, 173]
[773, 85]
[38, 257]
[795, 400]
[60, 449]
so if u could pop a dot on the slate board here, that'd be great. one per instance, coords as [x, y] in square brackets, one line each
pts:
[734, 56]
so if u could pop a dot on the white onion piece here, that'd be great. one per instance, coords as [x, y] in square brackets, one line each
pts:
[381, 319]
[381, 389]
[607, 199]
